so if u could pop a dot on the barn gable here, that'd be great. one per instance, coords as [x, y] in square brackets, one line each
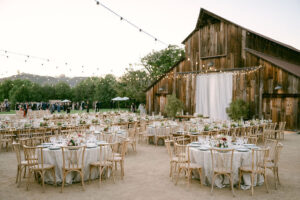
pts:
[216, 44]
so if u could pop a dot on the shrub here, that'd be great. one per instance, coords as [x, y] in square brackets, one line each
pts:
[173, 106]
[238, 109]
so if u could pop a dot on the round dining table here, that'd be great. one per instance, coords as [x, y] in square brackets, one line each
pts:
[54, 157]
[241, 157]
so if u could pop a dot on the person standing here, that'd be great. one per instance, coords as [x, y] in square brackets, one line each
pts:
[87, 107]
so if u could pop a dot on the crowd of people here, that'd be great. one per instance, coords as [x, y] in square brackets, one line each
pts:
[58, 106]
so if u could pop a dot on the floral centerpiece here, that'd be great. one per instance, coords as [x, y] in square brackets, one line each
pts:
[206, 127]
[72, 142]
[82, 122]
[130, 119]
[43, 124]
[27, 125]
[221, 142]
[193, 130]
[95, 121]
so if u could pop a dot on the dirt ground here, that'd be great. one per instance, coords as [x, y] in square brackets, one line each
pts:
[147, 177]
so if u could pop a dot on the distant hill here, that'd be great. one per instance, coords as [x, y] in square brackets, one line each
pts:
[42, 80]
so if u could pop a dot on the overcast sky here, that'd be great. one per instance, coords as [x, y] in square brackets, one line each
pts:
[83, 34]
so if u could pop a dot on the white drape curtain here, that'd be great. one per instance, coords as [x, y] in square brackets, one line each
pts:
[213, 94]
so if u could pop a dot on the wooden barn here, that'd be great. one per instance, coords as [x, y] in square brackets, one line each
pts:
[265, 72]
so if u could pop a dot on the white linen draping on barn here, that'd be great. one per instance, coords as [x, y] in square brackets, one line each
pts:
[213, 94]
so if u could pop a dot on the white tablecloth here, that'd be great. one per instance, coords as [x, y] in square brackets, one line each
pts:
[54, 157]
[203, 158]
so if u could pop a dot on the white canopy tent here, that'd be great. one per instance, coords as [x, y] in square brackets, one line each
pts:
[118, 99]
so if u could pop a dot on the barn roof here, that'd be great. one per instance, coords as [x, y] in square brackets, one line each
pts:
[204, 13]
[292, 68]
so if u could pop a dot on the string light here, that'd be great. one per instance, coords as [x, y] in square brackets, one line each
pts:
[130, 23]
[43, 62]
[184, 75]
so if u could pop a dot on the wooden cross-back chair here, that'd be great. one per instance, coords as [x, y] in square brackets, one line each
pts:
[222, 160]
[173, 159]
[73, 161]
[280, 131]
[119, 156]
[182, 153]
[35, 159]
[105, 161]
[22, 164]
[274, 165]
[132, 138]
[257, 167]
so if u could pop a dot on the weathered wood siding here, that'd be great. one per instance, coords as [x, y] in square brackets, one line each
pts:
[222, 44]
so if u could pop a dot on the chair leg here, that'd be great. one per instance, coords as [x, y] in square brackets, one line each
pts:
[212, 183]
[100, 174]
[63, 181]
[200, 176]
[90, 174]
[240, 179]
[20, 176]
[231, 182]
[54, 176]
[171, 167]
[82, 179]
[25, 172]
[43, 183]
[18, 171]
[277, 176]
[122, 168]
[178, 173]
[266, 182]
[113, 173]
[28, 179]
[252, 183]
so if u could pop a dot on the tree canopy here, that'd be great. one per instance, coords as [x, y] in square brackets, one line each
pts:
[159, 62]
[131, 84]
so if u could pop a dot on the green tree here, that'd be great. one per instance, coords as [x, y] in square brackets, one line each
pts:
[62, 91]
[133, 84]
[106, 90]
[35, 92]
[238, 109]
[48, 92]
[85, 90]
[173, 105]
[158, 62]
[5, 87]
[20, 91]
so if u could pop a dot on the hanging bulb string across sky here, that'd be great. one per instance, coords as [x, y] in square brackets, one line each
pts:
[130, 23]
[44, 62]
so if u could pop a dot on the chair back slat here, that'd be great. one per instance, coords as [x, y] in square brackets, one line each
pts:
[73, 157]
[222, 159]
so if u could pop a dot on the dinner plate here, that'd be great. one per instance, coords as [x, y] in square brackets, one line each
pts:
[91, 146]
[249, 145]
[194, 145]
[242, 150]
[101, 142]
[54, 148]
[203, 148]
[198, 143]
